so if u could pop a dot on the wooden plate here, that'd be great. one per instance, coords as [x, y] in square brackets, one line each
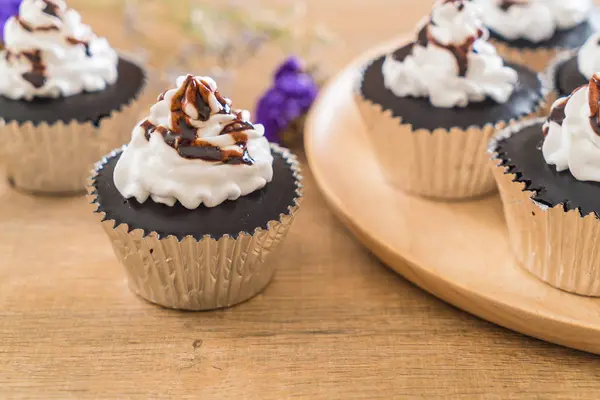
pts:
[456, 251]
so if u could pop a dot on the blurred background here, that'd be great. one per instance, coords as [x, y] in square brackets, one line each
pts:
[241, 42]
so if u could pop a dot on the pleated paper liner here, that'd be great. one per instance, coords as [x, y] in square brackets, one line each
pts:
[441, 164]
[57, 158]
[191, 274]
[537, 59]
[557, 246]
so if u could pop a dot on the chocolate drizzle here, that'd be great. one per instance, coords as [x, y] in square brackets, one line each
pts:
[237, 126]
[85, 43]
[594, 101]
[51, 8]
[36, 76]
[506, 5]
[161, 96]
[26, 26]
[183, 135]
[557, 114]
[461, 51]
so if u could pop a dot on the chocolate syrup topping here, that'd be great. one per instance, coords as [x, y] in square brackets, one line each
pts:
[161, 96]
[557, 114]
[183, 137]
[460, 3]
[37, 74]
[594, 101]
[506, 5]
[461, 51]
[51, 8]
[25, 25]
[237, 126]
[85, 43]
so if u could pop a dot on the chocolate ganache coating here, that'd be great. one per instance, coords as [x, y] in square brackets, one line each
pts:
[245, 214]
[521, 154]
[568, 77]
[83, 107]
[419, 112]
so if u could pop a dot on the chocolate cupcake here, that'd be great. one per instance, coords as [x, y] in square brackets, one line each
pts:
[432, 105]
[548, 172]
[572, 69]
[532, 33]
[198, 203]
[65, 96]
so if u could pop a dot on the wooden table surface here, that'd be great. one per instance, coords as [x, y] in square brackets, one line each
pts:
[335, 323]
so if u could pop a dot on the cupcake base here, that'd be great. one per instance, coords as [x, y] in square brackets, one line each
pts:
[538, 56]
[436, 152]
[551, 216]
[57, 159]
[49, 146]
[205, 258]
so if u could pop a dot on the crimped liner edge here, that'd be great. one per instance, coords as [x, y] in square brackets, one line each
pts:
[499, 162]
[292, 209]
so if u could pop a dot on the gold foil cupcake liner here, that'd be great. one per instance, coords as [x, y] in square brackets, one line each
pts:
[211, 273]
[441, 164]
[536, 59]
[557, 246]
[57, 158]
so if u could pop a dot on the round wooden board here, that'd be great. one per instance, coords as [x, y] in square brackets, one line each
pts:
[456, 251]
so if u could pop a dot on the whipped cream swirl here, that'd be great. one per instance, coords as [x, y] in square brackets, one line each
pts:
[49, 52]
[588, 57]
[533, 20]
[193, 148]
[451, 63]
[572, 133]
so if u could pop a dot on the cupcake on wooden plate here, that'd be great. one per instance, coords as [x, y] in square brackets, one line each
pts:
[198, 203]
[65, 96]
[532, 32]
[548, 172]
[572, 69]
[431, 106]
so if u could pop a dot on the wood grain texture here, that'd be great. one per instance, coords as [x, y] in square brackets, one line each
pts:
[334, 323]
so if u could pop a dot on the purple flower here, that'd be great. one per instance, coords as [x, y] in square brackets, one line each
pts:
[8, 8]
[290, 97]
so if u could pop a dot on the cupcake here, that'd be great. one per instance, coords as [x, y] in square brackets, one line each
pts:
[431, 106]
[548, 172]
[65, 96]
[532, 32]
[198, 204]
[574, 68]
